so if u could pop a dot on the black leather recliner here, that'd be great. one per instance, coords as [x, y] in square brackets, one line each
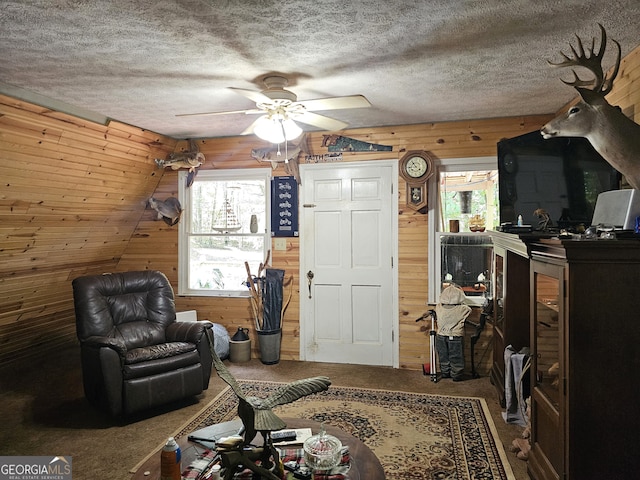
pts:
[134, 353]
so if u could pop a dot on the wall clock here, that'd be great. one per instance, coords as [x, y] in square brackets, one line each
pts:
[416, 167]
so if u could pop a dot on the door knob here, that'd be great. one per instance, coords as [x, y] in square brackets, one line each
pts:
[309, 279]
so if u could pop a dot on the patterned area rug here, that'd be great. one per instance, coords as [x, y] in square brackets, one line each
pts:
[415, 436]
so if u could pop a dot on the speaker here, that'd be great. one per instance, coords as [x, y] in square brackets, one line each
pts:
[617, 208]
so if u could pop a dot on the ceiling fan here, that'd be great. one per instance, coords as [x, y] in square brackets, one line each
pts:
[278, 108]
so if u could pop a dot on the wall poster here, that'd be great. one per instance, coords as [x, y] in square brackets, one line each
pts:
[284, 207]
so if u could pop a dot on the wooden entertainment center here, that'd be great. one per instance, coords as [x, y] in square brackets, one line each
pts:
[573, 303]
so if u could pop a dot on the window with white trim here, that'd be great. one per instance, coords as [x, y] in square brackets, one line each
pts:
[225, 223]
[466, 190]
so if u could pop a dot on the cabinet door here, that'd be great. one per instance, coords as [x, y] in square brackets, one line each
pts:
[497, 372]
[547, 395]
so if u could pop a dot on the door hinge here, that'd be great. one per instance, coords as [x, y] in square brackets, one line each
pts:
[391, 262]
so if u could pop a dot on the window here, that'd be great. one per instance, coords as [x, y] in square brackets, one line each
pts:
[464, 190]
[471, 198]
[216, 235]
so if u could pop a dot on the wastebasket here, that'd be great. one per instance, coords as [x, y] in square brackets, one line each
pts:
[270, 345]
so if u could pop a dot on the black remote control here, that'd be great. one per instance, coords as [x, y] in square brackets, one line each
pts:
[283, 435]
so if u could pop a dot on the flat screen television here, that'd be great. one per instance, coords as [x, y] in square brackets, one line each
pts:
[562, 176]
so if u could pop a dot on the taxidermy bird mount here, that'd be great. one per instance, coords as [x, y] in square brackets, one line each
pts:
[256, 413]
[190, 159]
[168, 210]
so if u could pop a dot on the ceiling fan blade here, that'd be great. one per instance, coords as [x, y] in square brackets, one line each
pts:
[204, 114]
[320, 121]
[257, 97]
[336, 103]
[253, 111]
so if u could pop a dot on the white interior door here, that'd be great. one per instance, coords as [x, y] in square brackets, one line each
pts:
[349, 305]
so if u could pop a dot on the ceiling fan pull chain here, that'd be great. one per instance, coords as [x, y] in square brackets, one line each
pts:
[286, 145]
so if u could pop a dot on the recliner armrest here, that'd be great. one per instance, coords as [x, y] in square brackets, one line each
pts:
[192, 332]
[111, 342]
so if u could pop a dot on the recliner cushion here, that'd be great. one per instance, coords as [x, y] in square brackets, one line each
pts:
[154, 352]
[160, 365]
[140, 334]
[135, 307]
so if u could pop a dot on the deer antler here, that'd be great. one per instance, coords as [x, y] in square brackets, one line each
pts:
[591, 60]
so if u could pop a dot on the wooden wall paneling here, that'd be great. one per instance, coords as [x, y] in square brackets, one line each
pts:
[71, 196]
[154, 245]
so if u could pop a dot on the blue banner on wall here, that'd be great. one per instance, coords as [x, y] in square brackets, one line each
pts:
[284, 207]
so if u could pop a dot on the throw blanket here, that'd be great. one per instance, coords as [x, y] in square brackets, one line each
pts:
[513, 390]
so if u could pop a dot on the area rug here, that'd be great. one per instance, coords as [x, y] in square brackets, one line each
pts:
[415, 436]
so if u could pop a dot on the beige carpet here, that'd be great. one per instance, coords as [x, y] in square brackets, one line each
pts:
[415, 436]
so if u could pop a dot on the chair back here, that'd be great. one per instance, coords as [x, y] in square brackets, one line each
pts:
[135, 307]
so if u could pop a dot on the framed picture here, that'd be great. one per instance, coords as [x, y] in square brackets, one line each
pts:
[284, 207]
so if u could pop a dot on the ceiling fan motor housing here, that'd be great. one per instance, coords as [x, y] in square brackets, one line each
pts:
[275, 89]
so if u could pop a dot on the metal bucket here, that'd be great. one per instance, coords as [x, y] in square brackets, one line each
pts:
[270, 345]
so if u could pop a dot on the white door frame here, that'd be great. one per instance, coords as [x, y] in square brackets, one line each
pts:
[303, 288]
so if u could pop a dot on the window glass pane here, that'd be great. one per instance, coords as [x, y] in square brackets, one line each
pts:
[467, 205]
[226, 226]
[471, 197]
[217, 262]
[227, 206]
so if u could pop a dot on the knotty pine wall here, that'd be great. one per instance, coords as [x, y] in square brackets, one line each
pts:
[154, 244]
[71, 196]
[73, 201]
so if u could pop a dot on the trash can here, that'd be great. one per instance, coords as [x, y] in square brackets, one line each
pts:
[240, 346]
[270, 345]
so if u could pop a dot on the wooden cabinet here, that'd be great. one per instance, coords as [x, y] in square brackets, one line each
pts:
[585, 336]
[511, 301]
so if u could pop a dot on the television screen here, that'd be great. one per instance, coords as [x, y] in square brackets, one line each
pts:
[562, 176]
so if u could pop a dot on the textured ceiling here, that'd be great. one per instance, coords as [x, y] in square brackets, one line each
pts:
[142, 62]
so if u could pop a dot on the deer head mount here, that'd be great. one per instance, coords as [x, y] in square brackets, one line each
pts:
[612, 134]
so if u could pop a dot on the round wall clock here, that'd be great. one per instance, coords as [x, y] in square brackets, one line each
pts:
[416, 167]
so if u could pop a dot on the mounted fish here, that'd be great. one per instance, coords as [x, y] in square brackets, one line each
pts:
[191, 159]
[289, 156]
[168, 210]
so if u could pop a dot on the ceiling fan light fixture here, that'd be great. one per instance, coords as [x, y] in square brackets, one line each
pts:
[276, 129]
